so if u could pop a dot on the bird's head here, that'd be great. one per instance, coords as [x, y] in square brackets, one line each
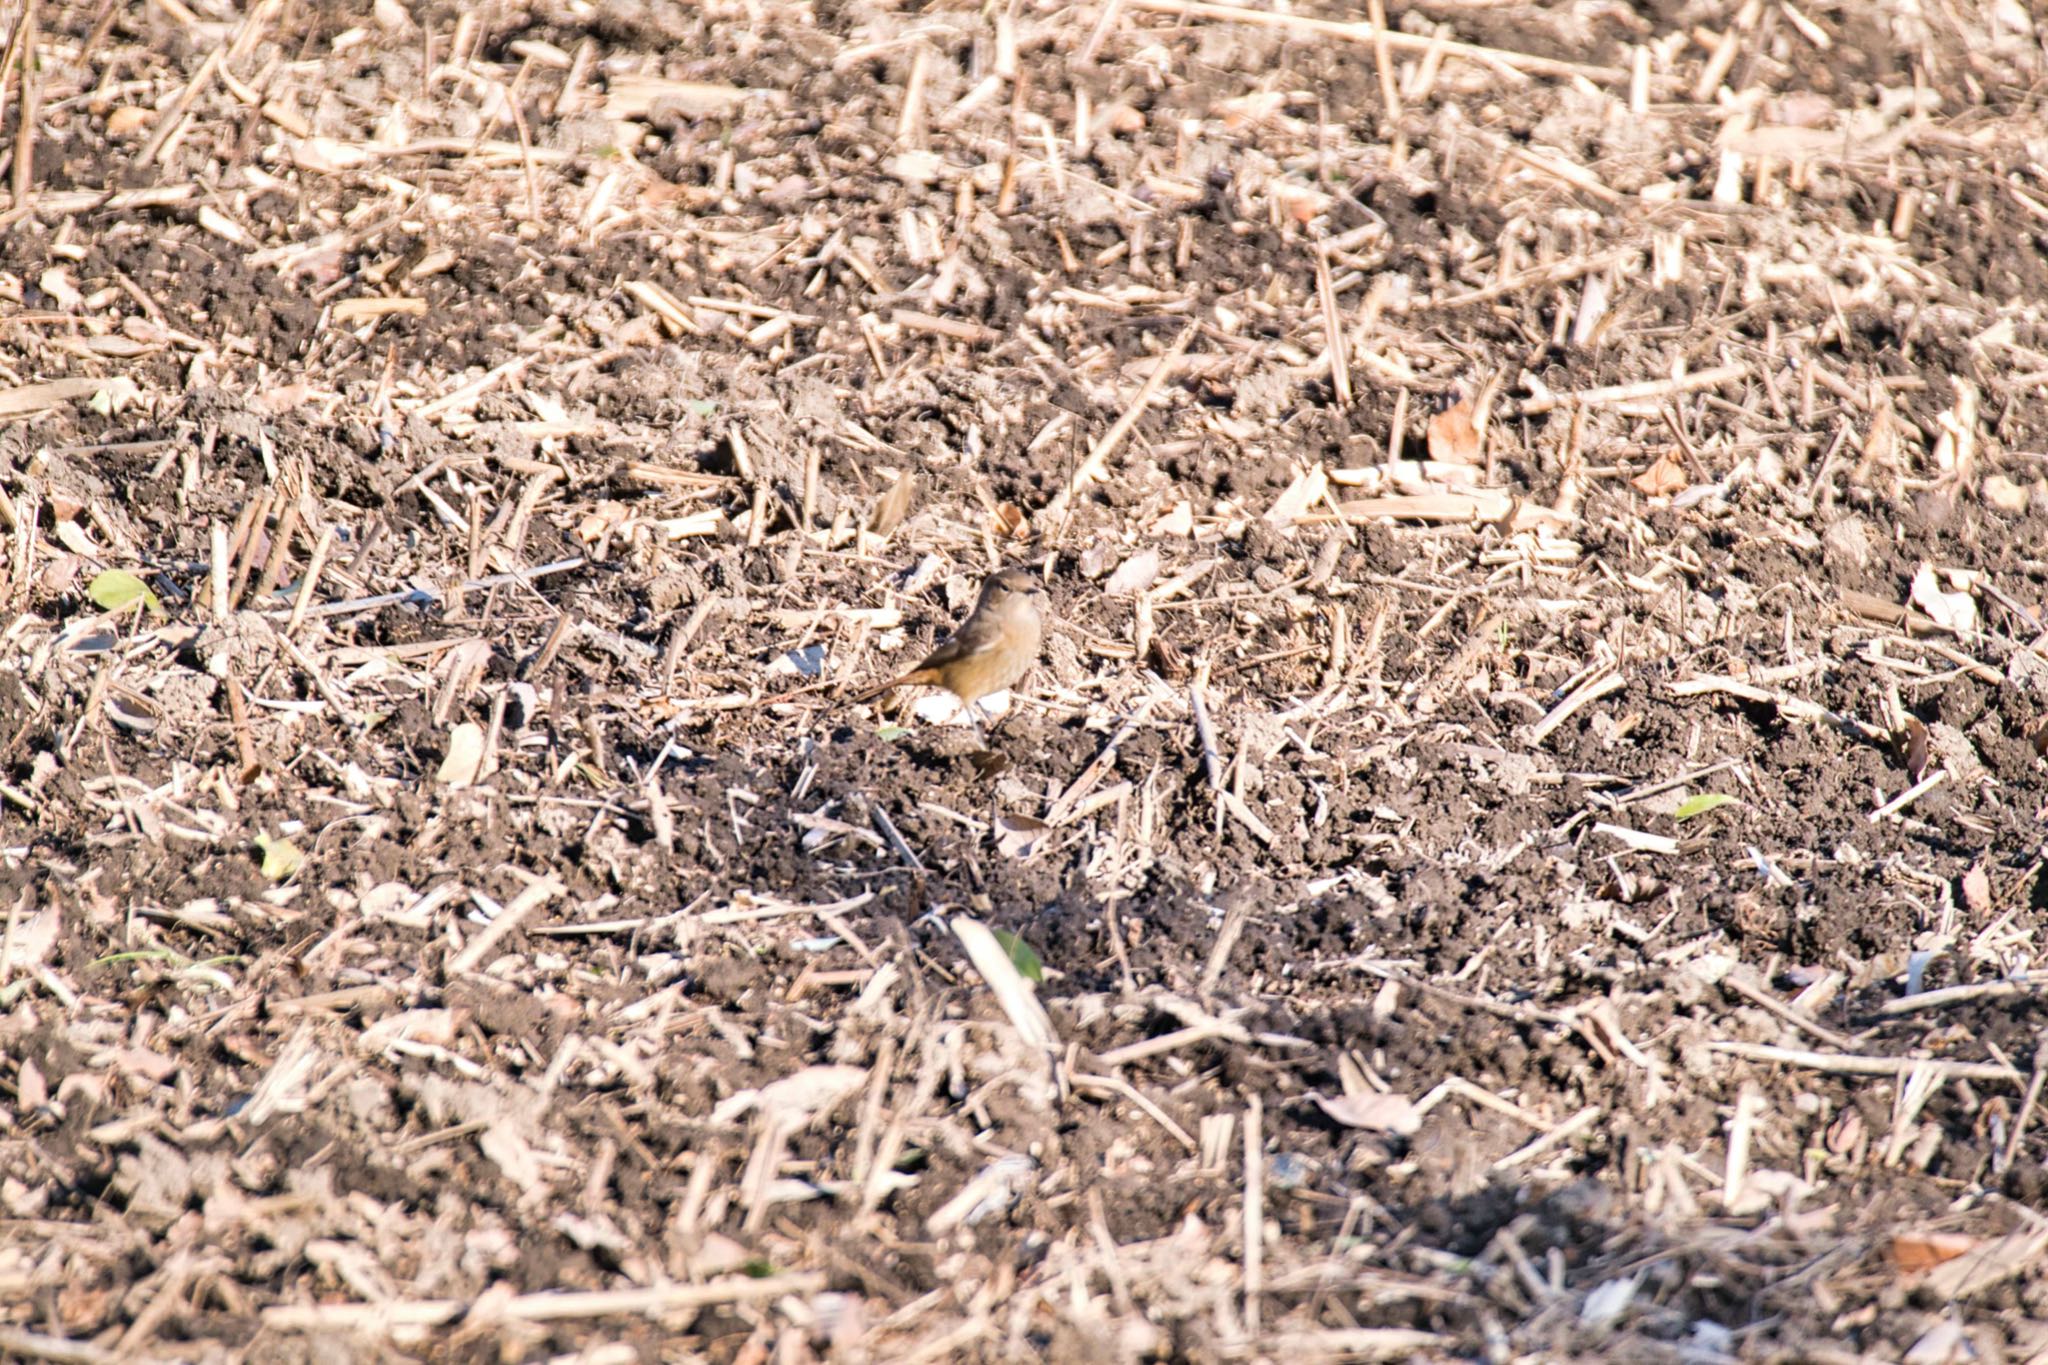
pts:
[1013, 584]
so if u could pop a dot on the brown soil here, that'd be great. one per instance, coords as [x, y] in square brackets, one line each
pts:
[585, 401]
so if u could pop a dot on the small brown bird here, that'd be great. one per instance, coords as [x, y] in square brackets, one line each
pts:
[994, 647]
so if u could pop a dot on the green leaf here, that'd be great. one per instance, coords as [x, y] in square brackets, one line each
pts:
[1021, 955]
[760, 1268]
[117, 588]
[891, 733]
[701, 407]
[1701, 804]
[281, 858]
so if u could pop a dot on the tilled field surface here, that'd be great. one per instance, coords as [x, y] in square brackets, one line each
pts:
[1524, 841]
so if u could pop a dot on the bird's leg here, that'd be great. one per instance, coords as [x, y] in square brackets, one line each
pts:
[974, 716]
[998, 722]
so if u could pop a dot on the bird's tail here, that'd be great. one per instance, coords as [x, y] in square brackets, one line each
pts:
[910, 679]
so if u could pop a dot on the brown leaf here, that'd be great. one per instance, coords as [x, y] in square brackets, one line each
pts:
[1922, 1250]
[1018, 836]
[1663, 478]
[82, 1309]
[128, 120]
[596, 525]
[1912, 742]
[1243, 111]
[1977, 889]
[1166, 660]
[1303, 204]
[1881, 441]
[1453, 436]
[893, 506]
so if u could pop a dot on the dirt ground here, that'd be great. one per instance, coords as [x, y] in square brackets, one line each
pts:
[1532, 803]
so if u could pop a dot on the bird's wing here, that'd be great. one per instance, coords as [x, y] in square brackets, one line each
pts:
[977, 635]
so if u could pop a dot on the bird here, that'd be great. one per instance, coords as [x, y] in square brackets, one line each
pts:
[993, 648]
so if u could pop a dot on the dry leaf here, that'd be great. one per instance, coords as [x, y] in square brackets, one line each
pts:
[1372, 1112]
[596, 525]
[129, 118]
[1121, 118]
[72, 537]
[1166, 660]
[513, 1155]
[718, 1254]
[33, 939]
[35, 397]
[1242, 111]
[1309, 488]
[433, 1026]
[373, 306]
[893, 506]
[1453, 437]
[1012, 991]
[1955, 449]
[226, 228]
[154, 1067]
[1881, 441]
[1662, 479]
[81, 1309]
[1018, 836]
[282, 398]
[131, 711]
[632, 96]
[465, 761]
[2005, 495]
[1955, 611]
[31, 1091]
[990, 1192]
[1134, 575]
[56, 282]
[814, 1090]
[1920, 1250]
[1947, 1342]
[1912, 740]
[1979, 1267]
[1179, 522]
[1977, 889]
[1302, 203]
[915, 167]
[326, 155]
[1609, 1300]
